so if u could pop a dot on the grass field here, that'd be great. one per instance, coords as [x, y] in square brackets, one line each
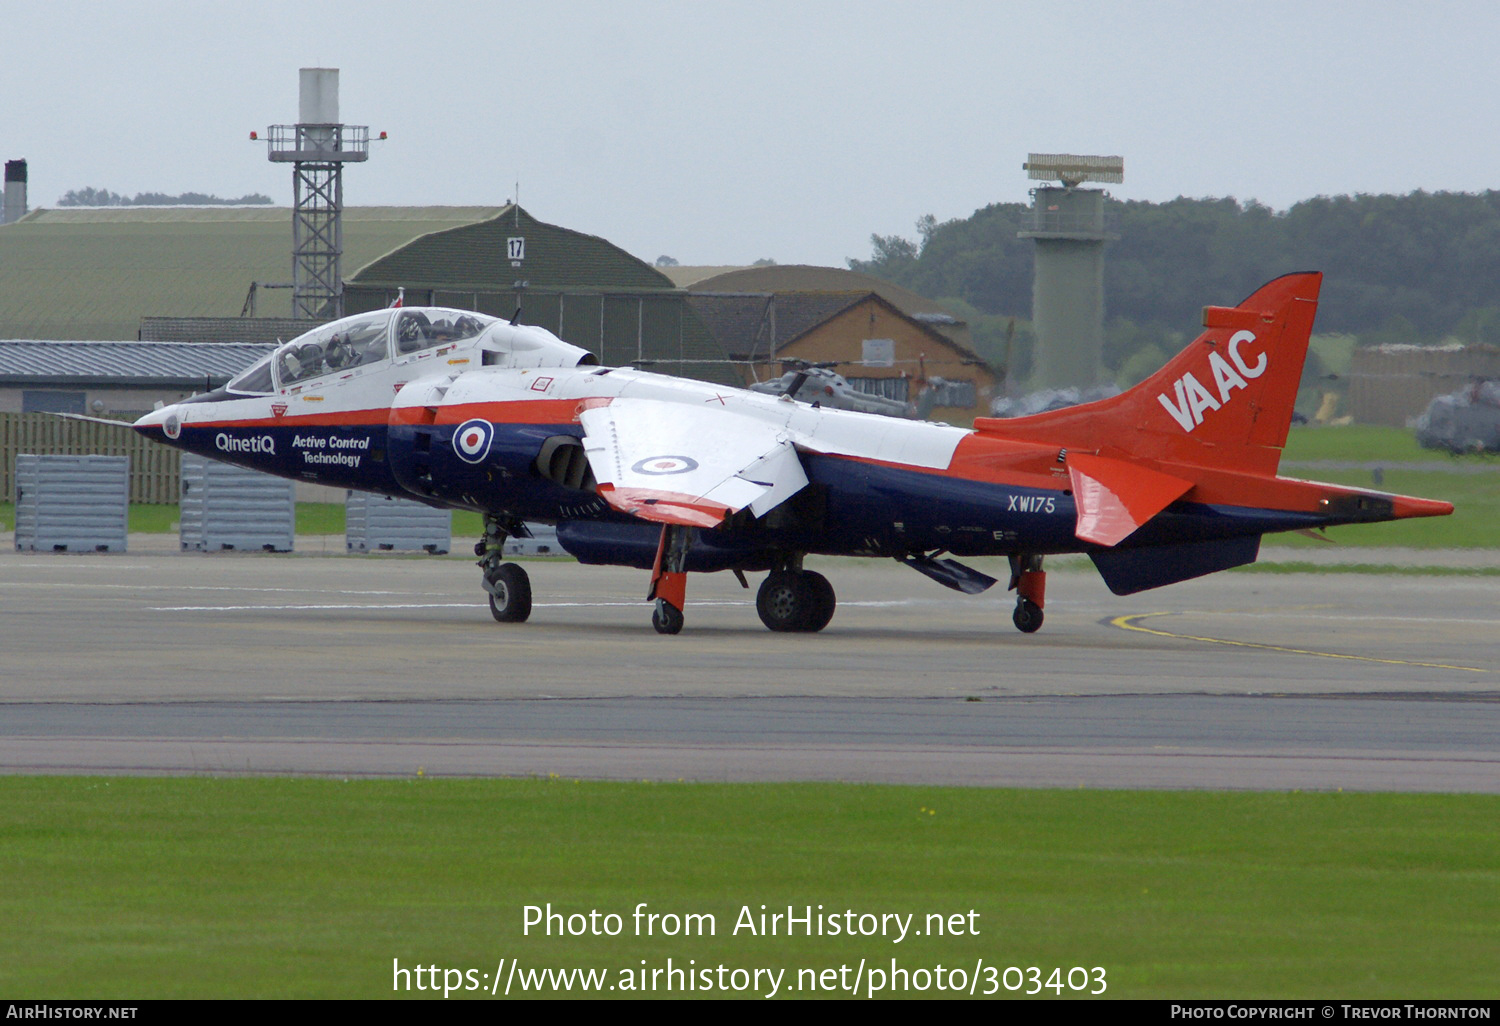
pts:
[1475, 522]
[1368, 443]
[140, 887]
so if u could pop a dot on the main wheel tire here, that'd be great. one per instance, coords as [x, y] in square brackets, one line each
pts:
[823, 601]
[1027, 617]
[783, 601]
[510, 601]
[666, 618]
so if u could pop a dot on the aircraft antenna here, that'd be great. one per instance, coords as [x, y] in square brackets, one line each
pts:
[318, 146]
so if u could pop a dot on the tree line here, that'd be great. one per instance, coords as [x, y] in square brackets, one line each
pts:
[91, 197]
[1420, 268]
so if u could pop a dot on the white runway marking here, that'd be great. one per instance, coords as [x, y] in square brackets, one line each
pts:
[208, 587]
[296, 608]
[457, 605]
[407, 605]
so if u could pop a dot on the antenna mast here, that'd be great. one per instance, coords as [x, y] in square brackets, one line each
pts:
[318, 147]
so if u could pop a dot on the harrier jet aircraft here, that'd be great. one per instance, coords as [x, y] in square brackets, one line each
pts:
[1170, 480]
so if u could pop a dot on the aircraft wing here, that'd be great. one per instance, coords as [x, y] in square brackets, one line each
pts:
[1114, 498]
[678, 464]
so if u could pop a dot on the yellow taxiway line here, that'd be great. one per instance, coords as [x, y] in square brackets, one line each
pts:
[1128, 623]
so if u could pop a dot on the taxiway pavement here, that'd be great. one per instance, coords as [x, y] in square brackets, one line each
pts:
[156, 662]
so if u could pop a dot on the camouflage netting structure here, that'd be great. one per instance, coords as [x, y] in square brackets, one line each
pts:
[1464, 421]
[1048, 399]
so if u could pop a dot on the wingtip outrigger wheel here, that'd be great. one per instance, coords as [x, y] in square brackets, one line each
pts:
[669, 579]
[666, 618]
[1029, 581]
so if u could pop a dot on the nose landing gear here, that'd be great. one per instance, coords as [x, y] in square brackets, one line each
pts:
[508, 585]
[510, 593]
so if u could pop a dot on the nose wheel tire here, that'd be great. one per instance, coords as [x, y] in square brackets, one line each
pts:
[666, 618]
[791, 601]
[1027, 617]
[510, 593]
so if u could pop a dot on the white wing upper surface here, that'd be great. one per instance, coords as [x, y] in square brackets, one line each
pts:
[676, 463]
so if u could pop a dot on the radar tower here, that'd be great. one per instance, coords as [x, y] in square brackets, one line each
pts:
[1067, 294]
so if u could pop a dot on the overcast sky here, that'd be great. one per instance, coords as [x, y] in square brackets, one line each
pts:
[721, 132]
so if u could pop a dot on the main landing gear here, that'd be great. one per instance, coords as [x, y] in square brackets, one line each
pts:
[790, 598]
[1029, 581]
[508, 585]
[795, 600]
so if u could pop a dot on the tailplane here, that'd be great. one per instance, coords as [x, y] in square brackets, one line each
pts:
[1225, 401]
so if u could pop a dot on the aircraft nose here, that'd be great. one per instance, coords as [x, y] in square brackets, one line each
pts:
[160, 424]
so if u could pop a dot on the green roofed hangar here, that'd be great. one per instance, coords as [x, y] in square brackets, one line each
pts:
[93, 273]
[202, 274]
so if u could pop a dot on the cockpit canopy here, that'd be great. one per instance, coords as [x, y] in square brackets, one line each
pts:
[422, 329]
[355, 343]
[341, 346]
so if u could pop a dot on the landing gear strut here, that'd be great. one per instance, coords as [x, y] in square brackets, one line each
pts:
[669, 579]
[508, 585]
[792, 599]
[1029, 581]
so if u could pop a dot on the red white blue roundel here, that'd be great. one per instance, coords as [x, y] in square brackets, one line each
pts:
[472, 440]
[660, 465]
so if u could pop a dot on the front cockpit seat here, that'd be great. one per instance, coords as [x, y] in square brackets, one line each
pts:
[339, 353]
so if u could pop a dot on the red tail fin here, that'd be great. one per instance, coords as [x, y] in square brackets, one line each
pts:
[1224, 401]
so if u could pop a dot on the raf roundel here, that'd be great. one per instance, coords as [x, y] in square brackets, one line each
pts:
[662, 465]
[472, 440]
